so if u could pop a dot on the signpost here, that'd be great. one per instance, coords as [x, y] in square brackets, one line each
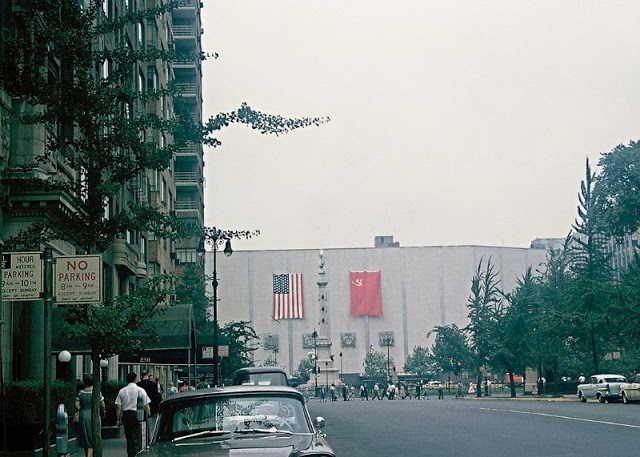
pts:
[21, 276]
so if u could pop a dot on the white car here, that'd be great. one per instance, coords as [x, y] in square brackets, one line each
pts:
[631, 390]
[602, 387]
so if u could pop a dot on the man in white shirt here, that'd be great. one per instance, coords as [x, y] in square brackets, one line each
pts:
[126, 412]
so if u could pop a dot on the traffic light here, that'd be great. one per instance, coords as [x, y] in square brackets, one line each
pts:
[457, 368]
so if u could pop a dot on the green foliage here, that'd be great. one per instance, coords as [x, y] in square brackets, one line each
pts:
[125, 315]
[618, 190]
[190, 288]
[593, 282]
[450, 351]
[240, 336]
[304, 369]
[377, 365]
[269, 362]
[419, 362]
[25, 400]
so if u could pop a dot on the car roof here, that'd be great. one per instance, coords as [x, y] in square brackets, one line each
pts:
[234, 391]
[259, 370]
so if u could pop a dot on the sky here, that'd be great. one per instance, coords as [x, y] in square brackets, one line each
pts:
[452, 122]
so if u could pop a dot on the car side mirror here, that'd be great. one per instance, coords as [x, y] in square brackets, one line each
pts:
[319, 423]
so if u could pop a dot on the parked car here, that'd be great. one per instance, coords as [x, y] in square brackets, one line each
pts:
[237, 420]
[631, 390]
[602, 387]
[260, 376]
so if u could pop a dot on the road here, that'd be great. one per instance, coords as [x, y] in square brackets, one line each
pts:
[495, 427]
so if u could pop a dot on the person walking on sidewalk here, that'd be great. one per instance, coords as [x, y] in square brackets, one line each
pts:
[126, 413]
[83, 405]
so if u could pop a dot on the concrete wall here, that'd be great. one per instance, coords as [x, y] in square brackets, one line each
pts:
[421, 287]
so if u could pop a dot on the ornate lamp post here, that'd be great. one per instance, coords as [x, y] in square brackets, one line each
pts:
[387, 340]
[341, 366]
[216, 237]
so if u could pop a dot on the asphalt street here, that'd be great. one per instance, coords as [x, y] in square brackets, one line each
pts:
[496, 427]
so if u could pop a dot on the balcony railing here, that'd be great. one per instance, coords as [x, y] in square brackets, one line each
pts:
[187, 205]
[187, 4]
[186, 88]
[188, 150]
[180, 31]
[186, 177]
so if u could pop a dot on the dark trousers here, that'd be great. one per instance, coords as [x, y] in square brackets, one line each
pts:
[132, 432]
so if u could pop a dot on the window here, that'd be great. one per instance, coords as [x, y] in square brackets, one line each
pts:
[186, 255]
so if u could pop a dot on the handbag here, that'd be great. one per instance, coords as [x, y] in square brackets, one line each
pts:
[76, 417]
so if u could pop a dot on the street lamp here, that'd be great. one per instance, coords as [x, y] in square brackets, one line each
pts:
[315, 357]
[387, 340]
[104, 363]
[217, 238]
[341, 366]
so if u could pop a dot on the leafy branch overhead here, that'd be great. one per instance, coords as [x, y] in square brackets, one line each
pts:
[264, 123]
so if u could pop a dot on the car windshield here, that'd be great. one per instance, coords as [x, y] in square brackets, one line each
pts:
[192, 416]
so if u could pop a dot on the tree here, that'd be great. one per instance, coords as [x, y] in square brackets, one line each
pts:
[618, 190]
[304, 369]
[240, 336]
[269, 362]
[419, 362]
[450, 351]
[481, 304]
[593, 275]
[376, 364]
[190, 288]
[514, 338]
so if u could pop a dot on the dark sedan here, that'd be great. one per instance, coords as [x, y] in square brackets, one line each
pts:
[237, 421]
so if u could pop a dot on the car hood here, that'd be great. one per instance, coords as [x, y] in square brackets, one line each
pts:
[240, 446]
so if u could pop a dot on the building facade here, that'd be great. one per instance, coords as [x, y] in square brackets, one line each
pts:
[422, 287]
[136, 254]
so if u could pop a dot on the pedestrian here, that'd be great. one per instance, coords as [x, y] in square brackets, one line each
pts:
[352, 392]
[83, 406]
[172, 389]
[203, 384]
[376, 392]
[344, 392]
[441, 392]
[182, 386]
[459, 394]
[418, 390]
[472, 389]
[323, 393]
[486, 387]
[403, 392]
[151, 388]
[126, 412]
[334, 393]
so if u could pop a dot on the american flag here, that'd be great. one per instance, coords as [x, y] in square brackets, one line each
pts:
[287, 296]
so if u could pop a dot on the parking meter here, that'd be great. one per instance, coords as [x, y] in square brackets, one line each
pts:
[62, 431]
[140, 406]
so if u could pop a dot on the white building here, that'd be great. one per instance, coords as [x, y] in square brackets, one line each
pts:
[422, 287]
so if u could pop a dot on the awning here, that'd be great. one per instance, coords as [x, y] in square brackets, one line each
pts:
[174, 327]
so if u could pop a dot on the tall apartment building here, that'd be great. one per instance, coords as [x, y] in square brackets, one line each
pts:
[189, 163]
[135, 255]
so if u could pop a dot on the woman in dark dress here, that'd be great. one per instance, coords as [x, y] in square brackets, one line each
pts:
[83, 405]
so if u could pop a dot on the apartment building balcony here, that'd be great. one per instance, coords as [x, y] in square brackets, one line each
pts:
[125, 256]
[189, 151]
[187, 178]
[188, 89]
[185, 32]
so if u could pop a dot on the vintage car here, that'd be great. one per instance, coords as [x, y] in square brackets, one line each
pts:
[239, 421]
[602, 387]
[631, 390]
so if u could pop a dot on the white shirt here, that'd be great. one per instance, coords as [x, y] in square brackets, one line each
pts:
[128, 397]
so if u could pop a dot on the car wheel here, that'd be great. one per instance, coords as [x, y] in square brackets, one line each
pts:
[582, 398]
[600, 398]
[625, 400]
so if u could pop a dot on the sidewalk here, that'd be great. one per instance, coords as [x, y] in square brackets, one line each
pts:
[111, 447]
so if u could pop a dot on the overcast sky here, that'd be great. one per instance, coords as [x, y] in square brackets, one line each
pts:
[452, 122]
